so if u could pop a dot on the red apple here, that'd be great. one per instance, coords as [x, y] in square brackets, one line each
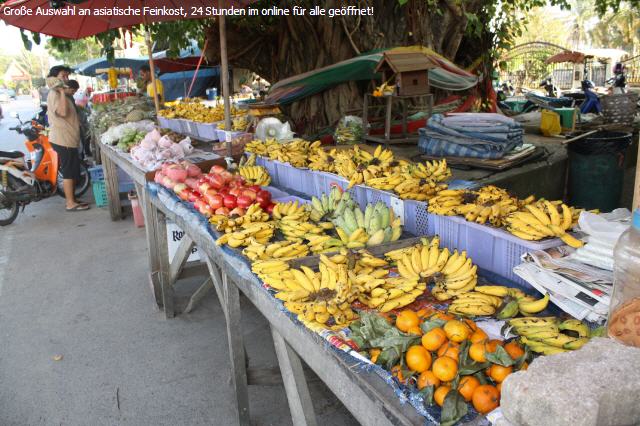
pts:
[204, 208]
[249, 193]
[254, 188]
[158, 177]
[217, 169]
[226, 175]
[223, 211]
[214, 200]
[236, 191]
[237, 212]
[263, 198]
[230, 201]
[193, 196]
[168, 183]
[179, 187]
[244, 201]
[217, 181]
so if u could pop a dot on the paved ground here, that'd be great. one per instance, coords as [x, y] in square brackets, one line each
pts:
[75, 285]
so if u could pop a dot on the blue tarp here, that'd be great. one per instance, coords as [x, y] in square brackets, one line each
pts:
[176, 85]
[89, 68]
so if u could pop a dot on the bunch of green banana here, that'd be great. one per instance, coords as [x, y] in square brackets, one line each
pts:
[515, 300]
[474, 303]
[375, 226]
[544, 334]
[535, 223]
[323, 243]
[255, 175]
[333, 205]
[280, 250]
[260, 232]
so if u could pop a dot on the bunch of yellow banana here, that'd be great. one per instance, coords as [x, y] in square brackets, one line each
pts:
[194, 110]
[323, 243]
[545, 334]
[389, 181]
[418, 189]
[248, 161]
[321, 160]
[390, 293]
[535, 223]
[291, 210]
[261, 148]
[453, 274]
[294, 230]
[255, 175]
[475, 303]
[261, 232]
[224, 223]
[515, 300]
[446, 202]
[313, 296]
[436, 170]
[280, 250]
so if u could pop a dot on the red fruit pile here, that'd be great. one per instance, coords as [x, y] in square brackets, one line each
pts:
[217, 192]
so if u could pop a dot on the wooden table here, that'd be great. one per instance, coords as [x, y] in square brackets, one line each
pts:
[365, 394]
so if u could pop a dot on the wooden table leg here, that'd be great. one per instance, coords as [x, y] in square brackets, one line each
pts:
[236, 349]
[162, 251]
[151, 232]
[111, 182]
[295, 384]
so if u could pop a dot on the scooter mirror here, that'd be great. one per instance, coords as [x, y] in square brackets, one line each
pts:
[14, 114]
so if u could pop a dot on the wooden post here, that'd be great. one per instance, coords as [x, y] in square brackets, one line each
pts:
[636, 190]
[224, 73]
[152, 68]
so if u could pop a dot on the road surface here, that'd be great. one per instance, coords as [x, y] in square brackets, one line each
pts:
[26, 107]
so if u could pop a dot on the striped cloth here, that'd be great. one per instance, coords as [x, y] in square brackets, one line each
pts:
[474, 135]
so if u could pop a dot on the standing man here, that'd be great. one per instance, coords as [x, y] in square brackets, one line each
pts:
[64, 134]
[147, 85]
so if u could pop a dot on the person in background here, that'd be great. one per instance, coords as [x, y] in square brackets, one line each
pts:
[64, 136]
[147, 86]
[85, 149]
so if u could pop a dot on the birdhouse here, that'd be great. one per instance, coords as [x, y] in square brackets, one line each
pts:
[410, 71]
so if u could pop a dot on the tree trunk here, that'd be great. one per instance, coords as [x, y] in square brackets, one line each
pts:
[280, 47]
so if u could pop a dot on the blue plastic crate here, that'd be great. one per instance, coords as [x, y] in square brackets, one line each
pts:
[100, 193]
[96, 173]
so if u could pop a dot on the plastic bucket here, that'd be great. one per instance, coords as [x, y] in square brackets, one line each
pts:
[596, 170]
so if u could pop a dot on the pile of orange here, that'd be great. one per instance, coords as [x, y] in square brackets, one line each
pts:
[435, 361]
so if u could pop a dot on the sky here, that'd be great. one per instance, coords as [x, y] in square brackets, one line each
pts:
[12, 42]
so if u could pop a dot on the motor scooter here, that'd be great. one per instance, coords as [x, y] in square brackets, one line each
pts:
[27, 179]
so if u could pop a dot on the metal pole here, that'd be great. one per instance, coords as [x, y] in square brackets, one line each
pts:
[224, 71]
[152, 68]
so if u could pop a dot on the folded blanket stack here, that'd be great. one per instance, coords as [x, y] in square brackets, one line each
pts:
[474, 135]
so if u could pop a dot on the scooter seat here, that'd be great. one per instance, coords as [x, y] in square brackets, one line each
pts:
[11, 154]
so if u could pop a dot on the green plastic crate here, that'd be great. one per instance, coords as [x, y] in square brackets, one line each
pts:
[100, 193]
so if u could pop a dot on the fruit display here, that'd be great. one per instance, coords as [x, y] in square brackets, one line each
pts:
[330, 206]
[194, 110]
[256, 232]
[217, 193]
[380, 170]
[449, 362]
[107, 115]
[238, 124]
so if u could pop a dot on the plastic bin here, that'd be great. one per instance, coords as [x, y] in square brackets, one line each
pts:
[163, 122]
[492, 249]
[189, 128]
[96, 173]
[596, 170]
[174, 124]
[416, 218]
[207, 131]
[100, 193]
[300, 180]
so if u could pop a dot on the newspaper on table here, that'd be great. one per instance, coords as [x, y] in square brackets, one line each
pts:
[578, 289]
